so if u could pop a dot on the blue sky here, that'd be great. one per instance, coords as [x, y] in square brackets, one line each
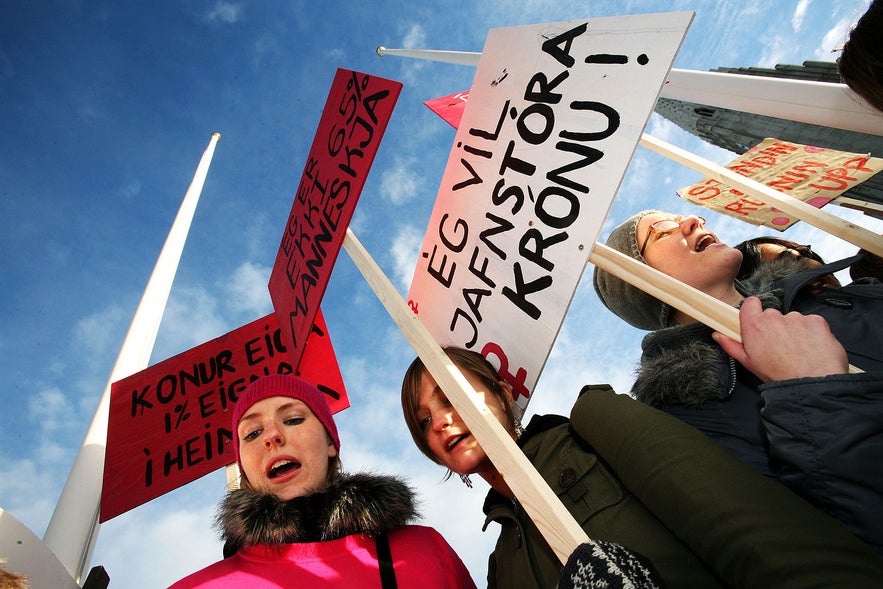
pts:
[105, 110]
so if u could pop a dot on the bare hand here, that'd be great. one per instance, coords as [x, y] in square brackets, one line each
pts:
[780, 347]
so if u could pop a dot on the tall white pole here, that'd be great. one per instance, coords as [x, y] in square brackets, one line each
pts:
[73, 529]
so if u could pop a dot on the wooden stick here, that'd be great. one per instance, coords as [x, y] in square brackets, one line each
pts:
[695, 303]
[233, 475]
[702, 307]
[557, 525]
[797, 208]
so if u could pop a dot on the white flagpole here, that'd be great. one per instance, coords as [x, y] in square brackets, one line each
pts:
[816, 103]
[455, 57]
[73, 529]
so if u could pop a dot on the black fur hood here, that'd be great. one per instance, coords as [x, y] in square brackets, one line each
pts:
[353, 504]
[683, 365]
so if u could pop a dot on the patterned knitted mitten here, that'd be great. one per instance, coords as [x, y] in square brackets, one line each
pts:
[599, 564]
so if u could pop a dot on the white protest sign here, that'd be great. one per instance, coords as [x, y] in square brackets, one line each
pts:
[554, 115]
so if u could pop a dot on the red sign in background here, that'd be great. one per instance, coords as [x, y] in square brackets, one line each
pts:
[170, 423]
[450, 107]
[353, 122]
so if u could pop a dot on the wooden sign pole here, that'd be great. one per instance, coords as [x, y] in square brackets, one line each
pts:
[797, 208]
[714, 313]
[556, 524]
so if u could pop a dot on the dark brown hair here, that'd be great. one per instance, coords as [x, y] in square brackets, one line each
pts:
[465, 360]
[861, 61]
[751, 257]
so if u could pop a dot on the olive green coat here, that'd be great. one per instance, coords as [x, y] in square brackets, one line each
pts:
[635, 476]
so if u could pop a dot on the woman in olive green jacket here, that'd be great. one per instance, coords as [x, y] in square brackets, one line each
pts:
[635, 476]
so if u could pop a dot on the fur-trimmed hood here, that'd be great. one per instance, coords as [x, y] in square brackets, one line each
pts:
[353, 504]
[683, 365]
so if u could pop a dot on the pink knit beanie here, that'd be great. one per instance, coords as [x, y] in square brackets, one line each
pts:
[284, 385]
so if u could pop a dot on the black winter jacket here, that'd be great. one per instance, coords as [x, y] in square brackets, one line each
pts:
[823, 437]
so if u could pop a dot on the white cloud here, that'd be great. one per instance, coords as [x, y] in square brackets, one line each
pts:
[260, 229]
[180, 541]
[30, 489]
[247, 290]
[191, 318]
[89, 113]
[399, 182]
[835, 37]
[50, 410]
[799, 14]
[225, 12]
[95, 335]
[60, 252]
[661, 128]
[131, 189]
[266, 44]
[776, 49]
[415, 37]
[405, 249]
[639, 179]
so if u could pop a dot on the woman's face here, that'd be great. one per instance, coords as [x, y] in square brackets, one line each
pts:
[690, 253]
[284, 448]
[446, 434]
[770, 252]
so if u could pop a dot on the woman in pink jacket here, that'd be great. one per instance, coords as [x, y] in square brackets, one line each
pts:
[299, 521]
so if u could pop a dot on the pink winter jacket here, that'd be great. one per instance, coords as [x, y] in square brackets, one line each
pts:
[420, 556]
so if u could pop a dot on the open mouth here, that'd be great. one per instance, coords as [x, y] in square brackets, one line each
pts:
[282, 467]
[704, 242]
[452, 443]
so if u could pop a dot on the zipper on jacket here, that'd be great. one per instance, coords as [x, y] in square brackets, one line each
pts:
[732, 362]
[516, 508]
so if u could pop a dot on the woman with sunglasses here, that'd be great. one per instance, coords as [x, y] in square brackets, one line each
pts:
[781, 401]
[775, 257]
[770, 258]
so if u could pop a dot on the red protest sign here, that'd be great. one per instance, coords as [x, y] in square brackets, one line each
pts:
[170, 423]
[353, 122]
[450, 107]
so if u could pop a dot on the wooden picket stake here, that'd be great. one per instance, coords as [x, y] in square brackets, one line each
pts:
[816, 217]
[702, 307]
[557, 525]
[234, 476]
[712, 312]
